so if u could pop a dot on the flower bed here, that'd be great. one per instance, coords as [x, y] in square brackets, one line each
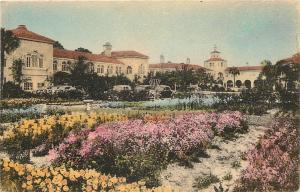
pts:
[49, 131]
[274, 162]
[122, 148]
[30, 178]
[20, 103]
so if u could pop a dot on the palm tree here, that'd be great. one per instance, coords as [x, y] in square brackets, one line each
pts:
[9, 43]
[234, 71]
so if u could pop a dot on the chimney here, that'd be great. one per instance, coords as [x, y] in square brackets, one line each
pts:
[162, 59]
[188, 61]
[22, 27]
[107, 49]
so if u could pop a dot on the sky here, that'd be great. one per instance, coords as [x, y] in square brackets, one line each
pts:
[244, 32]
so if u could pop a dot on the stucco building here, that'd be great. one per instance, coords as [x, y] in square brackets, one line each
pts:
[41, 60]
[215, 65]
[36, 51]
[169, 66]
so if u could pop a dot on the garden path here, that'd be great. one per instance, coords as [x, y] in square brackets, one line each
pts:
[220, 161]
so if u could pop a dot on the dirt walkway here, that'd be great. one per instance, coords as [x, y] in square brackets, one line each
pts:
[220, 162]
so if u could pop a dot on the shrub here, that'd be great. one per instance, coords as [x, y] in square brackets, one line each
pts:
[11, 90]
[227, 177]
[220, 189]
[204, 182]
[236, 164]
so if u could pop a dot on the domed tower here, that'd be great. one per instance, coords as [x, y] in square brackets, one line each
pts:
[107, 47]
[215, 62]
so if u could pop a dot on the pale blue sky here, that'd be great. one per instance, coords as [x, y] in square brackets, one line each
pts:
[244, 32]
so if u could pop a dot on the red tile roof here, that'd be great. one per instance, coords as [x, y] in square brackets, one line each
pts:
[22, 33]
[176, 66]
[294, 59]
[247, 68]
[215, 59]
[62, 53]
[128, 54]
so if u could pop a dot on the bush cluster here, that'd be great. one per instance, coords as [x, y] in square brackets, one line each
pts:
[274, 162]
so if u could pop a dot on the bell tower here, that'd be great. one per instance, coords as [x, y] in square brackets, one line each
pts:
[107, 49]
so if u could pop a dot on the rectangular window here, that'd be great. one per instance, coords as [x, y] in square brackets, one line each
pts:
[28, 86]
[34, 61]
[41, 64]
[28, 61]
[64, 67]
[40, 85]
[55, 66]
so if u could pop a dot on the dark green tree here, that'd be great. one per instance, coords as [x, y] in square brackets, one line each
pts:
[11, 90]
[8, 44]
[58, 45]
[17, 71]
[81, 49]
[60, 78]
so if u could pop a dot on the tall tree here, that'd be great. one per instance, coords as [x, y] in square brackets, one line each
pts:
[234, 71]
[81, 49]
[17, 71]
[79, 70]
[8, 44]
[58, 45]
[60, 78]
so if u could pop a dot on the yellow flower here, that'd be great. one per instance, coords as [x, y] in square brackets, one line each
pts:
[29, 187]
[65, 188]
[29, 177]
[24, 185]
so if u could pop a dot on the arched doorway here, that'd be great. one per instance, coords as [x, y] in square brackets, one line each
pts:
[255, 83]
[248, 84]
[238, 83]
[229, 83]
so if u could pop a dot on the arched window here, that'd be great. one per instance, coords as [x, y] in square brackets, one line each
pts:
[98, 69]
[247, 84]
[64, 66]
[102, 69]
[109, 70]
[54, 65]
[41, 61]
[28, 61]
[91, 67]
[142, 69]
[129, 70]
[229, 83]
[34, 59]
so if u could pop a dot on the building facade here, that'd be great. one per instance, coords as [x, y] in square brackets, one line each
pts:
[36, 52]
[169, 66]
[216, 66]
[41, 60]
